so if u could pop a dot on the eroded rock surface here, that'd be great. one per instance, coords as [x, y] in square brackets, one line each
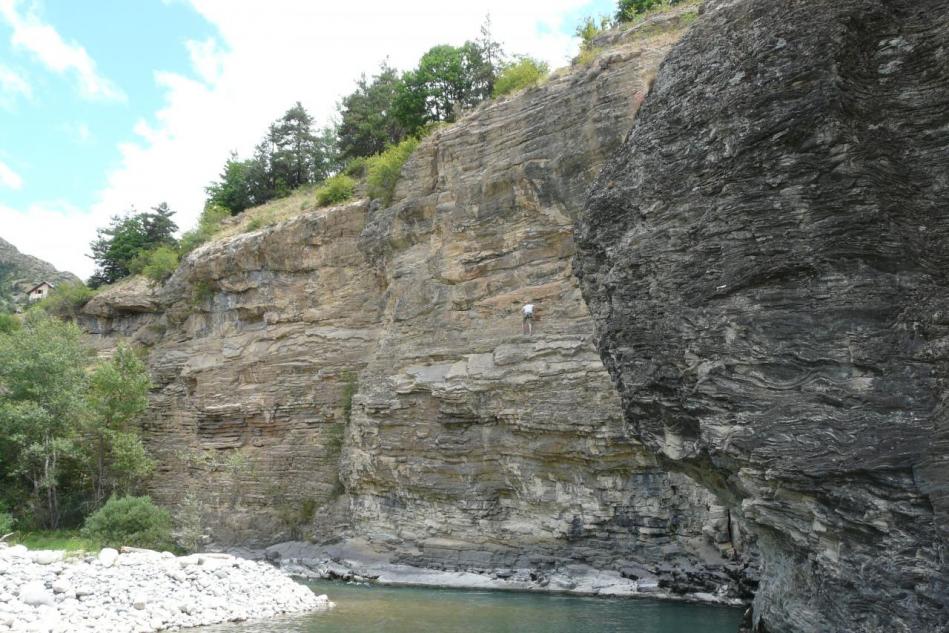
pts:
[766, 261]
[360, 372]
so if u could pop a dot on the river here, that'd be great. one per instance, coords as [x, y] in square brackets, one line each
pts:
[361, 609]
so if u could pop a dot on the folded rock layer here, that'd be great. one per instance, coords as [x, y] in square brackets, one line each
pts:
[765, 260]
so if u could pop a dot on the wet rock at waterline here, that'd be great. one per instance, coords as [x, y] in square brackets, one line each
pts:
[765, 260]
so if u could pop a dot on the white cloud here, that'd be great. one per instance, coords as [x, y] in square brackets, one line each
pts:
[51, 231]
[9, 178]
[78, 132]
[45, 43]
[267, 56]
[83, 133]
[12, 85]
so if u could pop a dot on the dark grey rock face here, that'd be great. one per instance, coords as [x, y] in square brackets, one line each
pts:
[766, 262]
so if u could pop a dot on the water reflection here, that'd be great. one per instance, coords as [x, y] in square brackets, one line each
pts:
[411, 610]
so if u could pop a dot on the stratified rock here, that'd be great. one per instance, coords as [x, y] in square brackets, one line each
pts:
[360, 371]
[766, 262]
[480, 446]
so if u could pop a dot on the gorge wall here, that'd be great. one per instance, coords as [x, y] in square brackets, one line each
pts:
[360, 372]
[766, 262]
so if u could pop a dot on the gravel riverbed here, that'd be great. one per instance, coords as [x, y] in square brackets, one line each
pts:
[140, 591]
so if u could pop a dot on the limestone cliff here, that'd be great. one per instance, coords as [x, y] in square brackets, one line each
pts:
[360, 372]
[765, 259]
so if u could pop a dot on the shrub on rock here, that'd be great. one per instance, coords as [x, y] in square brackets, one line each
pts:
[525, 73]
[336, 189]
[383, 170]
[133, 521]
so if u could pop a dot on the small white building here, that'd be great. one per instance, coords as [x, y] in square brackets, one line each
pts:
[39, 291]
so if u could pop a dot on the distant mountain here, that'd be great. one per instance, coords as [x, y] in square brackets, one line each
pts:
[20, 272]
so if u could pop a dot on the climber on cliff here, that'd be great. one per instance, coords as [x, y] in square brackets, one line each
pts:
[528, 322]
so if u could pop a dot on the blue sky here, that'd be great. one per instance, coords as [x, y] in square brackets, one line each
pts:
[109, 104]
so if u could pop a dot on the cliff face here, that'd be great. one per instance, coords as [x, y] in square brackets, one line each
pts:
[470, 439]
[361, 372]
[254, 344]
[765, 260]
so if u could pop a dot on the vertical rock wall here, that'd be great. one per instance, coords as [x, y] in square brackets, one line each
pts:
[360, 372]
[471, 440]
[765, 260]
[254, 346]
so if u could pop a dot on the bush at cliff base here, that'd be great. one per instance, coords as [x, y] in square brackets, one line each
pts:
[133, 521]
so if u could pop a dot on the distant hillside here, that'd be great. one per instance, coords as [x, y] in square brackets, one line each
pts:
[20, 272]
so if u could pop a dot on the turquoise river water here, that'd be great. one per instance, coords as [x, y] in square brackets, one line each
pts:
[361, 609]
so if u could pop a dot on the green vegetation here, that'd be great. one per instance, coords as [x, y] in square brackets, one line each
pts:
[67, 435]
[336, 189]
[201, 292]
[6, 287]
[133, 521]
[296, 515]
[379, 123]
[631, 10]
[447, 80]
[67, 299]
[8, 323]
[587, 31]
[524, 73]
[382, 112]
[350, 387]
[259, 221]
[356, 168]
[368, 122]
[189, 532]
[208, 224]
[117, 394]
[157, 264]
[126, 239]
[6, 523]
[68, 540]
[383, 170]
[291, 154]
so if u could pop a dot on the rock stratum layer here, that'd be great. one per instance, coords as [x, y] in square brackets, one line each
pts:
[765, 260]
[360, 372]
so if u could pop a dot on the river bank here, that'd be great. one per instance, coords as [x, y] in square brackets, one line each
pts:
[357, 561]
[140, 591]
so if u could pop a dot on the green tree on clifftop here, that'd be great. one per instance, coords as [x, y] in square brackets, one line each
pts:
[368, 122]
[127, 238]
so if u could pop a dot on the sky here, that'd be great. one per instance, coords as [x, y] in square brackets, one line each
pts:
[112, 105]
